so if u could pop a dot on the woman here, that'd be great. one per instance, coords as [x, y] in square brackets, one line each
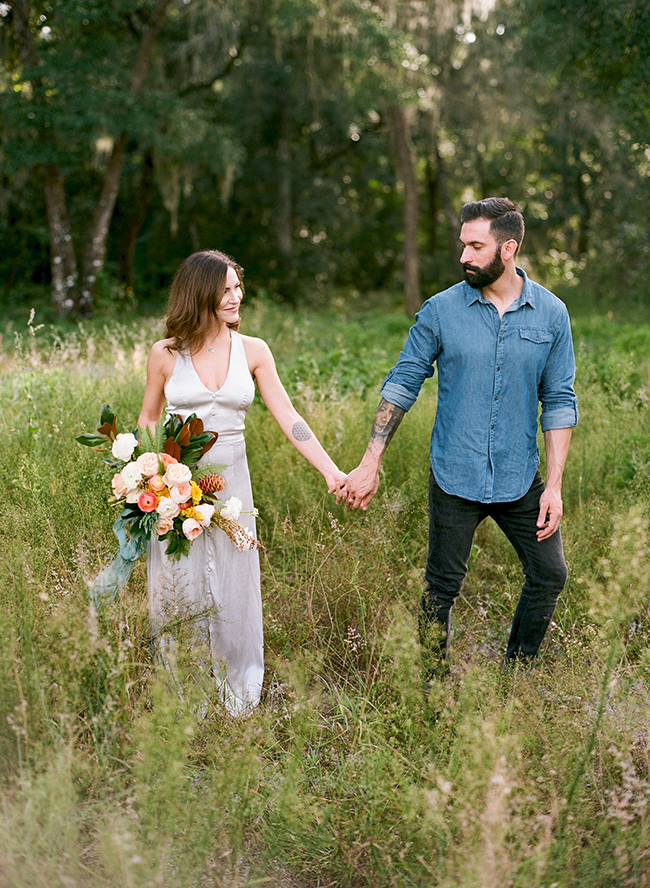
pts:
[205, 366]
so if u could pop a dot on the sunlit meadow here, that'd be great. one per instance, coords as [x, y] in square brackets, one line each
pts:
[347, 774]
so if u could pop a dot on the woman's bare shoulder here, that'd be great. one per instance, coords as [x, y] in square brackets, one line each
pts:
[162, 354]
[255, 347]
[258, 354]
[163, 346]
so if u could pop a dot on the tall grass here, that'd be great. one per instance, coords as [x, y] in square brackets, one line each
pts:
[347, 774]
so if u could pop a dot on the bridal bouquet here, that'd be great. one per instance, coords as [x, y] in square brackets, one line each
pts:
[165, 494]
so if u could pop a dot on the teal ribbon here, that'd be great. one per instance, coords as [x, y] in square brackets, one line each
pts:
[113, 578]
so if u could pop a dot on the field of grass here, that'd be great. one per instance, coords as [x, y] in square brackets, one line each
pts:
[346, 775]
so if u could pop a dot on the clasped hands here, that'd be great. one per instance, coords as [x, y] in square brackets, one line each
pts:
[357, 489]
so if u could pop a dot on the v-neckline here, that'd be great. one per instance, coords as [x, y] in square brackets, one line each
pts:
[221, 387]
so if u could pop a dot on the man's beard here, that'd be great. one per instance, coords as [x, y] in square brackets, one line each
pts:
[483, 277]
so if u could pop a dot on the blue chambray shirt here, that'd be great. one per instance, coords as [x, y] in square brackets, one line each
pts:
[492, 374]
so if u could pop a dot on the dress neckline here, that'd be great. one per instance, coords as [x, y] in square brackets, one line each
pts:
[221, 387]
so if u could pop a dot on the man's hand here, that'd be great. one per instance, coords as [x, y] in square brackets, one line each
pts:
[550, 513]
[359, 487]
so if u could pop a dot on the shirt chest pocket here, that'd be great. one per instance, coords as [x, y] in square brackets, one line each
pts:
[533, 347]
[532, 334]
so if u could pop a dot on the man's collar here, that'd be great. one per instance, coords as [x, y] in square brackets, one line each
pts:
[527, 296]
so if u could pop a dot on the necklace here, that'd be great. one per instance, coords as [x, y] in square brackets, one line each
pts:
[210, 349]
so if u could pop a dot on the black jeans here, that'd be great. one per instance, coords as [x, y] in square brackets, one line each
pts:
[452, 522]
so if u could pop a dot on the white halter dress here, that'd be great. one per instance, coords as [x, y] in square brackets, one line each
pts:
[216, 587]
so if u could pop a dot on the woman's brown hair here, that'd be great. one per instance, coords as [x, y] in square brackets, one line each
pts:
[195, 296]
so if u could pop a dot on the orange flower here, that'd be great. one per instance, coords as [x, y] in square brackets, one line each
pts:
[147, 501]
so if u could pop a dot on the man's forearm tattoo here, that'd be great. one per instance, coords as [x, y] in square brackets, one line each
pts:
[387, 418]
[301, 431]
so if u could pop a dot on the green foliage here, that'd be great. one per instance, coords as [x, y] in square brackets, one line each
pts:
[117, 770]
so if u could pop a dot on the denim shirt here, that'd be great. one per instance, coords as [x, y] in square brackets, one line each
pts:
[492, 374]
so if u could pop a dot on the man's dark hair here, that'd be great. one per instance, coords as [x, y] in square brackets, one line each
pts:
[506, 222]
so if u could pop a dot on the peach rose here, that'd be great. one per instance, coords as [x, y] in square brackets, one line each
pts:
[181, 493]
[147, 501]
[156, 483]
[167, 460]
[167, 508]
[176, 474]
[191, 528]
[119, 487]
[132, 496]
[164, 526]
[148, 463]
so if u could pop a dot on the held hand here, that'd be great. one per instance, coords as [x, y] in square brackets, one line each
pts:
[550, 513]
[359, 487]
[335, 480]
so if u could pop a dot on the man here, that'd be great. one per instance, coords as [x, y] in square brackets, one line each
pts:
[501, 344]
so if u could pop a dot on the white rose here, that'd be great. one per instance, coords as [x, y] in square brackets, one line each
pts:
[124, 445]
[132, 496]
[231, 508]
[205, 512]
[131, 476]
[167, 508]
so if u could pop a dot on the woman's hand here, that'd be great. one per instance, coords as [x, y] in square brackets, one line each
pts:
[334, 480]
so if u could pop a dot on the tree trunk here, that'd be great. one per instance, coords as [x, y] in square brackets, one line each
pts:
[443, 190]
[405, 161]
[63, 262]
[95, 251]
[433, 204]
[136, 220]
[62, 257]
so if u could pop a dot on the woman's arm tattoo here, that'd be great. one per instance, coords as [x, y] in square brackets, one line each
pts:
[387, 418]
[301, 431]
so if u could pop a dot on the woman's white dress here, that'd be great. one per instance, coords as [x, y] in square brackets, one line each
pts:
[217, 586]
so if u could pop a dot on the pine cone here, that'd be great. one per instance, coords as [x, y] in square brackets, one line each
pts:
[211, 483]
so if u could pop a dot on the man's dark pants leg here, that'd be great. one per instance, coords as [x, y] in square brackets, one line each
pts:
[452, 523]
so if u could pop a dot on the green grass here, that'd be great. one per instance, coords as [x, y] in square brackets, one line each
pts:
[345, 775]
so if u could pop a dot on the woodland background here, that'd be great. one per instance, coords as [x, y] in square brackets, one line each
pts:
[324, 143]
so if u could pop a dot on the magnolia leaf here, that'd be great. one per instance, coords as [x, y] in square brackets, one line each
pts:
[210, 443]
[195, 426]
[173, 425]
[172, 448]
[93, 440]
[107, 416]
[108, 423]
[184, 436]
